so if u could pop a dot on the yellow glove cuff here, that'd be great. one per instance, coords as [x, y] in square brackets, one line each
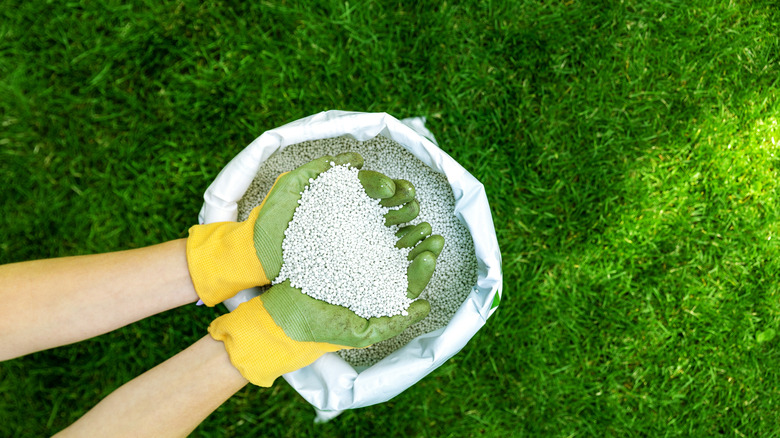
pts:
[222, 259]
[259, 348]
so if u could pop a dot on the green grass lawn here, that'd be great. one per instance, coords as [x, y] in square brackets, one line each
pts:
[628, 150]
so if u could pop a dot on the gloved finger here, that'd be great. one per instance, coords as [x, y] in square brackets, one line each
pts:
[403, 230]
[407, 212]
[418, 310]
[354, 159]
[404, 192]
[377, 185]
[313, 168]
[419, 273]
[385, 327]
[414, 235]
[433, 244]
[288, 186]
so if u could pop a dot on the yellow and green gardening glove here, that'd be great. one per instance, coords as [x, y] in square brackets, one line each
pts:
[225, 258]
[283, 329]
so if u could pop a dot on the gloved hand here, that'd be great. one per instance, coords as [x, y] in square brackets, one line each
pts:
[283, 329]
[227, 257]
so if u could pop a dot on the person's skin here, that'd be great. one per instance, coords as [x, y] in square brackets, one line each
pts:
[54, 302]
[170, 400]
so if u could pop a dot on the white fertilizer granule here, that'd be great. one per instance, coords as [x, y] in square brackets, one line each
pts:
[456, 267]
[337, 248]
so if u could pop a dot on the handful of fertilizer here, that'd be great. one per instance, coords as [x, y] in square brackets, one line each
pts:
[341, 246]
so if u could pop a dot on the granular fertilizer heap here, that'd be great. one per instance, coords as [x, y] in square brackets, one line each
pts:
[337, 248]
[456, 267]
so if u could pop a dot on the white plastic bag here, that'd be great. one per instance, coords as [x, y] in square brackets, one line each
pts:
[330, 384]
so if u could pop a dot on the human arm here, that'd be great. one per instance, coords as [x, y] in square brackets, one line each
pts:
[258, 346]
[53, 302]
[271, 351]
[170, 400]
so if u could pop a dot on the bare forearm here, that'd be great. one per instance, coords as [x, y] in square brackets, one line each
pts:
[53, 302]
[169, 400]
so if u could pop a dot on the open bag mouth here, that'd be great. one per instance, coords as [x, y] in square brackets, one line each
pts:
[331, 384]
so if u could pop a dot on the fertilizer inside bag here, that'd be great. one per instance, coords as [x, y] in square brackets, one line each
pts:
[456, 266]
[471, 282]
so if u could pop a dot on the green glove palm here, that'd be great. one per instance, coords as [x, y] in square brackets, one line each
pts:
[306, 319]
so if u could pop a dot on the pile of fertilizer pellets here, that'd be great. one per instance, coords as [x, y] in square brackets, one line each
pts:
[456, 267]
[337, 248]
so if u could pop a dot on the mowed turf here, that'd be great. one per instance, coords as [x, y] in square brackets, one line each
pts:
[628, 150]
